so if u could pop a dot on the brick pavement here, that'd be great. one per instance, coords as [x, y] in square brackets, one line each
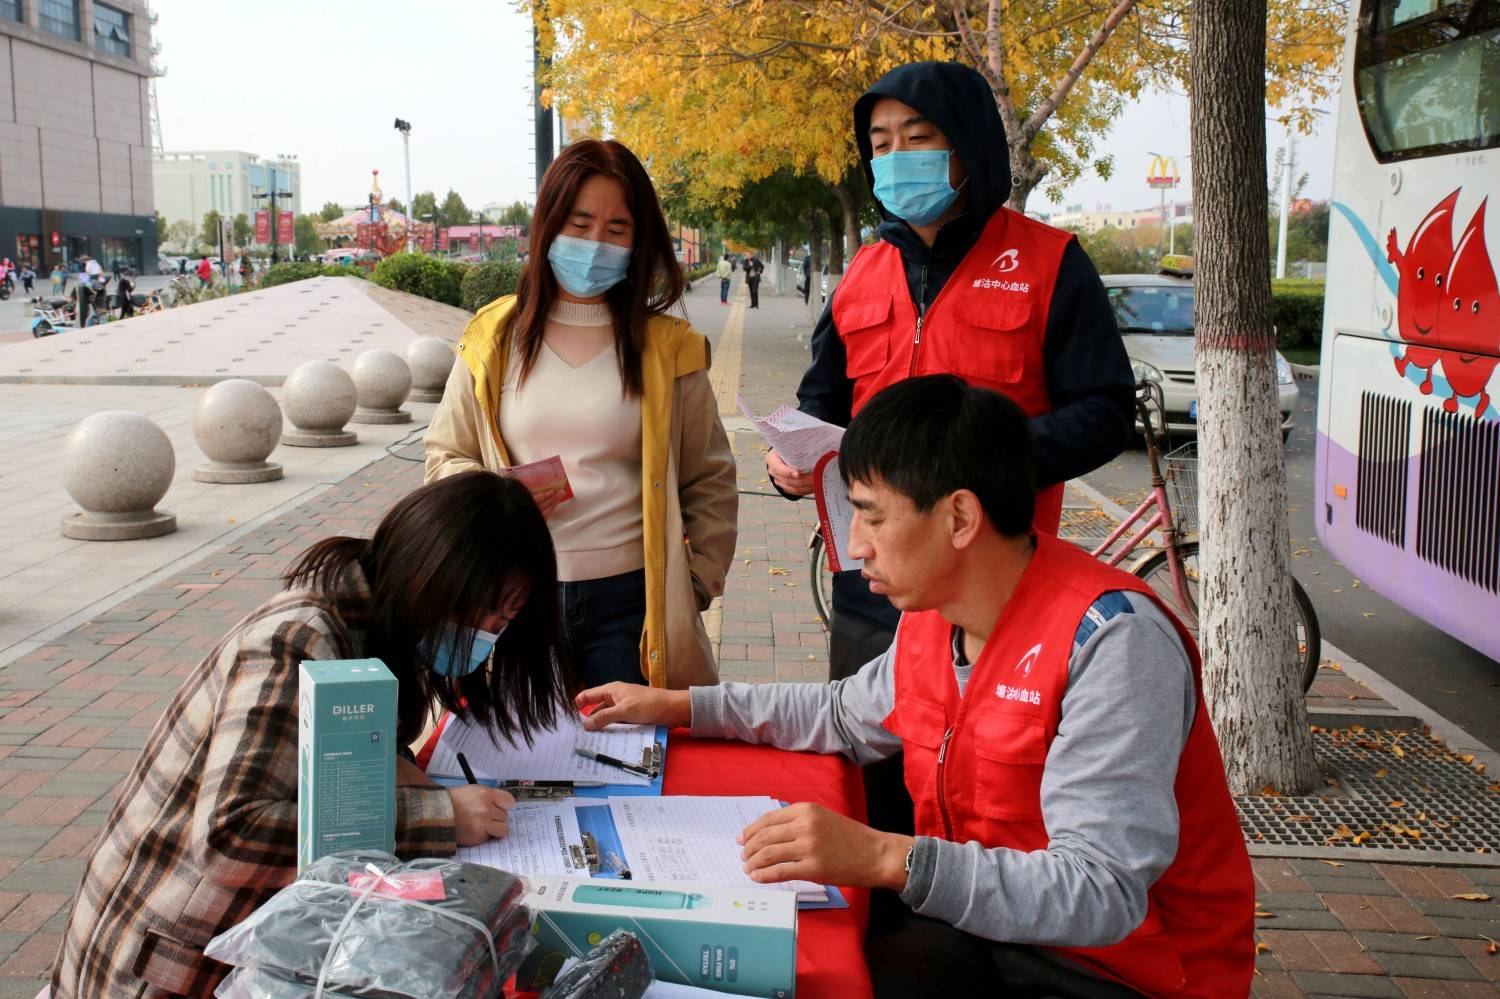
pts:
[74, 713]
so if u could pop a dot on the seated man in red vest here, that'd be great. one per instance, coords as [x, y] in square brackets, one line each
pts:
[1075, 835]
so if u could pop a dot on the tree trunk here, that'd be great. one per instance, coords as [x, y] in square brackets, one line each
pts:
[847, 242]
[1026, 172]
[815, 292]
[1247, 623]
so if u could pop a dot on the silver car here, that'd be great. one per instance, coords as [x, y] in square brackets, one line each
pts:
[1155, 315]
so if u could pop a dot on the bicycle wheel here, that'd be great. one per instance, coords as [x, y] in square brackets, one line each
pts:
[1157, 574]
[820, 578]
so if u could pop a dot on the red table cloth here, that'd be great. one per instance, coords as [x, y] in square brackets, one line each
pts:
[830, 942]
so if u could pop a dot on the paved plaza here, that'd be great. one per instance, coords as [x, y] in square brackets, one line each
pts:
[84, 675]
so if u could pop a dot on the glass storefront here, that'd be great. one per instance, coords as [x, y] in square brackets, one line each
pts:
[124, 250]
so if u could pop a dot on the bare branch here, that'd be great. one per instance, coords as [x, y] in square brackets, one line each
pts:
[1044, 110]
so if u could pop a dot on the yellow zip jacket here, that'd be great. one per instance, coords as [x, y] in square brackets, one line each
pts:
[690, 506]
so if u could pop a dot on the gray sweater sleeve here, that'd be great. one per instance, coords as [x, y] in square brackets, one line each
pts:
[1107, 798]
[846, 716]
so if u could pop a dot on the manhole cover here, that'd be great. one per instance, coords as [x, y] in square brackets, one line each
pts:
[1389, 791]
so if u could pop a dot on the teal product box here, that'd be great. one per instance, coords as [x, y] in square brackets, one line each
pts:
[346, 758]
[739, 940]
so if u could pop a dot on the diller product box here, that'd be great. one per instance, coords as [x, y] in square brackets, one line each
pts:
[346, 758]
[739, 940]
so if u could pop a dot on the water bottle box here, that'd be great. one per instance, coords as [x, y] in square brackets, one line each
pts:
[346, 758]
[737, 940]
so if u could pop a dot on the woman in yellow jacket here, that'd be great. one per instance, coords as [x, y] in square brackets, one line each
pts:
[584, 363]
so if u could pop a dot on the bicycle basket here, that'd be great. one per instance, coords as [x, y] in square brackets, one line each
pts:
[1181, 468]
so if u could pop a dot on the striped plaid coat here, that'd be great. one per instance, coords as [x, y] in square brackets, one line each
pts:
[205, 828]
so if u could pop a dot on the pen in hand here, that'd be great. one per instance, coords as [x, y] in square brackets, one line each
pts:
[464, 765]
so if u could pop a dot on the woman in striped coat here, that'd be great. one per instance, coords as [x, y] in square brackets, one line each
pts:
[205, 828]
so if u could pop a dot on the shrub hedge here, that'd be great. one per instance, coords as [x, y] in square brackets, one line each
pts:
[488, 281]
[1297, 310]
[419, 274]
[298, 270]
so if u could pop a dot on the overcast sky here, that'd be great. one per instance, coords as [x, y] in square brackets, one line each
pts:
[331, 76]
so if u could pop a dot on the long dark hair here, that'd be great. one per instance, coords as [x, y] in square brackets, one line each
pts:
[448, 552]
[654, 282]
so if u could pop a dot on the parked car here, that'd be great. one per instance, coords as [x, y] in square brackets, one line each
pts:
[1155, 316]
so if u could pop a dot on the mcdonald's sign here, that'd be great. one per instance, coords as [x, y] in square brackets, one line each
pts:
[1163, 172]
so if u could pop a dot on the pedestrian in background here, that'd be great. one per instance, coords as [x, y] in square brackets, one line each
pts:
[124, 290]
[205, 273]
[247, 271]
[59, 280]
[585, 363]
[724, 272]
[806, 276]
[753, 270]
[28, 276]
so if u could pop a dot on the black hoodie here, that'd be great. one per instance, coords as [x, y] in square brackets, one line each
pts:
[1087, 373]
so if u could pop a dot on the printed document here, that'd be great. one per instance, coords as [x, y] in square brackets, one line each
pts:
[550, 756]
[542, 839]
[691, 840]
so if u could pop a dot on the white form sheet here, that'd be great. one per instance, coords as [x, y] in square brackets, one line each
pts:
[800, 439]
[549, 757]
[690, 840]
[835, 515]
[542, 839]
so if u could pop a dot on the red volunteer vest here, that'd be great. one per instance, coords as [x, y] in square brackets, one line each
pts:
[1198, 937]
[986, 325]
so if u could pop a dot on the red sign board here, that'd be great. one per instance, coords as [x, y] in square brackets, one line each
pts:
[285, 228]
[262, 227]
[442, 239]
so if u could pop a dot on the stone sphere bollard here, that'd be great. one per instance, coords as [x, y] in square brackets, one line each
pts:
[117, 465]
[319, 397]
[430, 360]
[237, 425]
[383, 381]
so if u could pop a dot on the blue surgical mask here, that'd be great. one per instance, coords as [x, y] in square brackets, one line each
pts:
[444, 659]
[586, 267]
[913, 185]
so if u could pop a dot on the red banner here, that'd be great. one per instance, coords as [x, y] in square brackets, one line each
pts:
[425, 238]
[286, 230]
[262, 227]
[442, 239]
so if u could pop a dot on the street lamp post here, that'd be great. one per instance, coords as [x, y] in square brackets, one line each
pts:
[270, 197]
[404, 127]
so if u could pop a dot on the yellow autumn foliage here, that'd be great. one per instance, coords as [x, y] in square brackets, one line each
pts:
[718, 94]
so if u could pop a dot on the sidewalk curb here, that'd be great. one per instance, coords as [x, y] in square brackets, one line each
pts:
[1456, 737]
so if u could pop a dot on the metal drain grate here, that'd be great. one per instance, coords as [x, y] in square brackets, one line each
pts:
[1423, 801]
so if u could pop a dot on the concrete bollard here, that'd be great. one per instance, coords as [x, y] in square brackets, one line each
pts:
[430, 360]
[118, 465]
[382, 381]
[237, 424]
[319, 397]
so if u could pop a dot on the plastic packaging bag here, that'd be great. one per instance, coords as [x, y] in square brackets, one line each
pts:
[615, 969]
[364, 924]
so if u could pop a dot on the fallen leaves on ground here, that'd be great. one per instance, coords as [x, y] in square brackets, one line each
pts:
[1471, 896]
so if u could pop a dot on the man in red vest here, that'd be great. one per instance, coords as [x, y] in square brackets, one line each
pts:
[1075, 836]
[960, 284]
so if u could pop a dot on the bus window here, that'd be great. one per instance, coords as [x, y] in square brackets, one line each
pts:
[1427, 76]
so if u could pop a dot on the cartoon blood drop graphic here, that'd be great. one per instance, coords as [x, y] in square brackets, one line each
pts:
[1421, 289]
[1470, 318]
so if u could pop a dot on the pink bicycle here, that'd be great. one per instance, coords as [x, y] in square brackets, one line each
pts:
[1171, 569]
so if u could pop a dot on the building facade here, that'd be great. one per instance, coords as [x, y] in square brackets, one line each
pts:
[75, 138]
[1075, 218]
[192, 183]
